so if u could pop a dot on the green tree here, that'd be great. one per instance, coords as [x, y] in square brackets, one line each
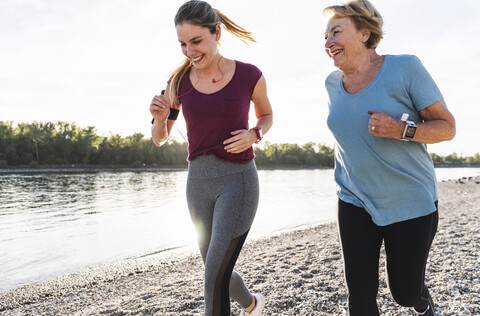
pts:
[86, 144]
[134, 149]
[7, 151]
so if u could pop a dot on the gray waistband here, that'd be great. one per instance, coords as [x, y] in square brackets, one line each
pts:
[208, 166]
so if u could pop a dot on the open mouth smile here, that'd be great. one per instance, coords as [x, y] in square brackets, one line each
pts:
[336, 52]
[197, 59]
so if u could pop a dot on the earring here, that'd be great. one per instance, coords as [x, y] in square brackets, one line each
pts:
[363, 41]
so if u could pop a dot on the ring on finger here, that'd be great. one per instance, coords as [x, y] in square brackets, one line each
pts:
[373, 128]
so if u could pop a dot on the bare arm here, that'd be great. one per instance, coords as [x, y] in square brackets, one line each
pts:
[438, 125]
[263, 109]
[162, 126]
[243, 139]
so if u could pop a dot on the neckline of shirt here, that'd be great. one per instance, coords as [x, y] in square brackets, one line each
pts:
[371, 84]
[228, 83]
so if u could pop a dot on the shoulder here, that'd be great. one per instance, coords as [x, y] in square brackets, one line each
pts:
[247, 67]
[336, 74]
[404, 66]
[404, 60]
[247, 74]
[333, 78]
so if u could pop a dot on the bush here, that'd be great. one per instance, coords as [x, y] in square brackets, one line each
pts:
[136, 164]
[26, 158]
[33, 164]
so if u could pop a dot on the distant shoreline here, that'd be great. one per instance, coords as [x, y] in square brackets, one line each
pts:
[97, 169]
[88, 169]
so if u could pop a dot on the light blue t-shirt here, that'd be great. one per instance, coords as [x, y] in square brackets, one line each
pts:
[392, 179]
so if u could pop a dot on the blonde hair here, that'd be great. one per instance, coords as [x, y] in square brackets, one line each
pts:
[197, 12]
[363, 15]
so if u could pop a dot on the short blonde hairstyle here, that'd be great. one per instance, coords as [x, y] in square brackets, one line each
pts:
[363, 15]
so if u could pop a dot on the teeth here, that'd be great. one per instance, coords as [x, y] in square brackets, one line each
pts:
[336, 52]
[197, 59]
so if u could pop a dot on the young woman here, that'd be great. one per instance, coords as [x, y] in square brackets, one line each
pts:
[214, 94]
[386, 182]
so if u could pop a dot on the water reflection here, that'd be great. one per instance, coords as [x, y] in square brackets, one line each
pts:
[40, 192]
[51, 224]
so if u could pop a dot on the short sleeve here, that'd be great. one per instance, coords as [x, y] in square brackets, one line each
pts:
[254, 74]
[421, 87]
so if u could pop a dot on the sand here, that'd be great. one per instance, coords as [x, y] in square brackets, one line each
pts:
[299, 272]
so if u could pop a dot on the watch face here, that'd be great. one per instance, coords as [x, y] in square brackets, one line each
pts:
[410, 131]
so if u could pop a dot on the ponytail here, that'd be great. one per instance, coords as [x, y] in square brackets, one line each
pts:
[200, 13]
[175, 80]
[234, 28]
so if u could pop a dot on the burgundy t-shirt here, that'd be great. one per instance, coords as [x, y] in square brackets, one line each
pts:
[212, 117]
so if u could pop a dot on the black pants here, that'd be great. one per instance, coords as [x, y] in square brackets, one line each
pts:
[407, 245]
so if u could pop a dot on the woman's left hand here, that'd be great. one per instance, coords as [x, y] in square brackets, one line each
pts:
[242, 140]
[382, 124]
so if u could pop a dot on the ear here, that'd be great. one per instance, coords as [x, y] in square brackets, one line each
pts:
[365, 34]
[218, 32]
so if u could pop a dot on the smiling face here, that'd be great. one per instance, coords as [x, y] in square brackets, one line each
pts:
[343, 43]
[198, 44]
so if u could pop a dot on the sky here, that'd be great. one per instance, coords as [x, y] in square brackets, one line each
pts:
[100, 62]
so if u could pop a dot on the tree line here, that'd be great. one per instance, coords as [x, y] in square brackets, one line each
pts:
[59, 144]
[62, 143]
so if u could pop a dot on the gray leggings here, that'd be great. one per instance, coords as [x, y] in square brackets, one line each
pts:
[222, 198]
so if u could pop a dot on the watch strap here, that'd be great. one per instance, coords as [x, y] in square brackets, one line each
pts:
[258, 132]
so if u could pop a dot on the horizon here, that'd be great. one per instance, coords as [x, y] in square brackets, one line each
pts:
[99, 64]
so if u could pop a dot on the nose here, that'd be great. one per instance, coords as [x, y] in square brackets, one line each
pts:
[328, 42]
[190, 51]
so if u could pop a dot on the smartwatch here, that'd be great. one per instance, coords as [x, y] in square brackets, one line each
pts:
[410, 128]
[258, 131]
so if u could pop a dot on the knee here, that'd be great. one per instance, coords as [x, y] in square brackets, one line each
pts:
[362, 303]
[405, 291]
[362, 286]
[216, 281]
[404, 297]
[362, 291]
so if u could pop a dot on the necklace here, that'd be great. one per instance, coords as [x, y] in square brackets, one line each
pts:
[218, 66]
[213, 79]
[198, 78]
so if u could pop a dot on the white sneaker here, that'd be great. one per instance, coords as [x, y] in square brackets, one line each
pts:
[257, 311]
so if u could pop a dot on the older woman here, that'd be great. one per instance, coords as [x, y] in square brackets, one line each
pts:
[383, 110]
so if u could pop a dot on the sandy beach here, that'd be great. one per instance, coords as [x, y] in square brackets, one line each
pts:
[299, 272]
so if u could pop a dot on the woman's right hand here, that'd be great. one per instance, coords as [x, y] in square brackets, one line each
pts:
[159, 108]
